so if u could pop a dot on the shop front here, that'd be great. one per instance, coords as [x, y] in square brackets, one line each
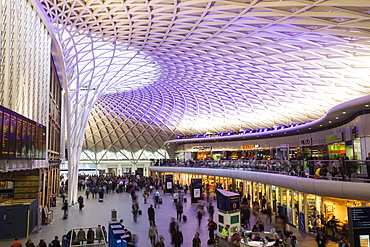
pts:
[338, 208]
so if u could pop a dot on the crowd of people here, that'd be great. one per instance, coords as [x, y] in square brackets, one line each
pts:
[254, 215]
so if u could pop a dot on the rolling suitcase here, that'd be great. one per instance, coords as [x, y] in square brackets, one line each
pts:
[160, 200]
[184, 218]
[140, 212]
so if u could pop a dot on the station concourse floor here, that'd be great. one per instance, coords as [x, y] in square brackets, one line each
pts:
[95, 213]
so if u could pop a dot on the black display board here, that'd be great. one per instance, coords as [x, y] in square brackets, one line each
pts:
[359, 226]
[20, 137]
[196, 190]
[169, 183]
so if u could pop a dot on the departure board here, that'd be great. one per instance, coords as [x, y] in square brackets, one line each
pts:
[360, 217]
[20, 137]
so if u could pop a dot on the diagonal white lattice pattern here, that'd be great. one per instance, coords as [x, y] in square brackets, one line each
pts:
[217, 65]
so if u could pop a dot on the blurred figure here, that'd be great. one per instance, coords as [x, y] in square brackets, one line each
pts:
[29, 243]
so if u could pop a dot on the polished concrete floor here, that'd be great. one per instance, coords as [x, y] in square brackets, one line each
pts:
[95, 213]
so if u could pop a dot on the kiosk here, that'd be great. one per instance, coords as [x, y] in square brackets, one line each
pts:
[228, 204]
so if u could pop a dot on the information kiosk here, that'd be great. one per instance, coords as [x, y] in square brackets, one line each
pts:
[228, 204]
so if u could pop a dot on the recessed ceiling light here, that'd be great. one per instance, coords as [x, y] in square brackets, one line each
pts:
[320, 125]
[336, 117]
[309, 128]
[366, 105]
[344, 112]
[329, 121]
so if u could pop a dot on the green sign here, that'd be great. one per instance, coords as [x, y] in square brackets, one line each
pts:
[234, 219]
[331, 138]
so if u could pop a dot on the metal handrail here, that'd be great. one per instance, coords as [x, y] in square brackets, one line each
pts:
[348, 170]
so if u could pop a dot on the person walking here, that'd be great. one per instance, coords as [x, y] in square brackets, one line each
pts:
[211, 210]
[177, 237]
[105, 234]
[65, 209]
[172, 228]
[151, 214]
[29, 243]
[80, 201]
[199, 215]
[135, 210]
[321, 239]
[196, 240]
[156, 199]
[152, 233]
[212, 226]
[179, 210]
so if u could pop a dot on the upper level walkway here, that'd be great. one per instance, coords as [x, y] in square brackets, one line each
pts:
[285, 174]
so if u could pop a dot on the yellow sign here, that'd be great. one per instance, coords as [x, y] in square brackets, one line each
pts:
[248, 146]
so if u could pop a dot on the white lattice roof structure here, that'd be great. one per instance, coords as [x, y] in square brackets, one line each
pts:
[141, 71]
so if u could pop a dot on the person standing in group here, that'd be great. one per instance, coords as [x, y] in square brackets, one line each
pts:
[151, 214]
[177, 237]
[56, 242]
[29, 243]
[16, 243]
[196, 240]
[211, 210]
[80, 201]
[90, 236]
[99, 234]
[81, 236]
[152, 233]
[105, 234]
[212, 226]
[65, 241]
[179, 210]
[87, 193]
[199, 215]
[41, 243]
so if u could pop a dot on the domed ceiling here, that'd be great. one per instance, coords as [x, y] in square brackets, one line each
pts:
[159, 68]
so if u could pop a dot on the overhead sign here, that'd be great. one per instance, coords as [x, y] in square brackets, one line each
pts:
[306, 142]
[335, 138]
[202, 148]
[249, 146]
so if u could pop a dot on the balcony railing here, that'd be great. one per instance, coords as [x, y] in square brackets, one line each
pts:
[348, 170]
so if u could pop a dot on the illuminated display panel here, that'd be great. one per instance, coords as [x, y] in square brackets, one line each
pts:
[24, 140]
[5, 136]
[12, 129]
[21, 138]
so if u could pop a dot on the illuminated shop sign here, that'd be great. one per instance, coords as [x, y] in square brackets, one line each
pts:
[202, 148]
[335, 138]
[306, 142]
[249, 146]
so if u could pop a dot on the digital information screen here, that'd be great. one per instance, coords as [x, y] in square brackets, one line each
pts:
[361, 217]
[20, 137]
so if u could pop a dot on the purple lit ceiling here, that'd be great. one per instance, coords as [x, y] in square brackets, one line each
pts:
[214, 66]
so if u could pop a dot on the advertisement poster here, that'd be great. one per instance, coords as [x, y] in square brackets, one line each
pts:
[196, 193]
[169, 185]
[364, 241]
